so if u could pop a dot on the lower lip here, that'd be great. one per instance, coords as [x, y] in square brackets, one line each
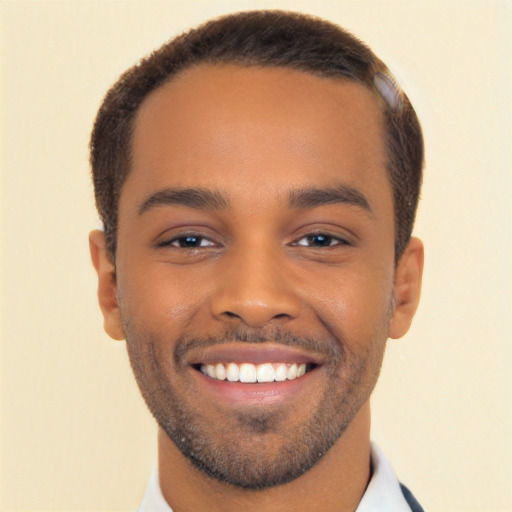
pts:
[254, 393]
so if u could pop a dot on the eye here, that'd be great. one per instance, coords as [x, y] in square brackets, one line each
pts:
[188, 242]
[318, 240]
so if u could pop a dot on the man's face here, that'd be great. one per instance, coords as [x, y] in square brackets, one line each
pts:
[256, 233]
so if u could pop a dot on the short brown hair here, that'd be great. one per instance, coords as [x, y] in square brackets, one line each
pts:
[254, 38]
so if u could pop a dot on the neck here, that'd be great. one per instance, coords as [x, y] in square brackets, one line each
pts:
[336, 483]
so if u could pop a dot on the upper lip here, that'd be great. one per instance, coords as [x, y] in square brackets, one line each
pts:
[256, 354]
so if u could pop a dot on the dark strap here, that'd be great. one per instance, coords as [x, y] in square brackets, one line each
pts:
[411, 500]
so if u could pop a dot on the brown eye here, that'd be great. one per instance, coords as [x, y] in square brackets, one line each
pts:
[188, 242]
[320, 240]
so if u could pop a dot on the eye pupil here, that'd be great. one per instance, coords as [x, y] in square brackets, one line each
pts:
[189, 241]
[320, 240]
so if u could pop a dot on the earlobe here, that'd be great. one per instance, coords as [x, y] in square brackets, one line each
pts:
[407, 288]
[107, 288]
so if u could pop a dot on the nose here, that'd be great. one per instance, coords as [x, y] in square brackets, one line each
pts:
[253, 288]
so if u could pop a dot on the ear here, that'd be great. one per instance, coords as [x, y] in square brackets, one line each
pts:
[407, 288]
[107, 288]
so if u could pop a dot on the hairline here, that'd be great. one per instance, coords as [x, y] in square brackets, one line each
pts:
[251, 44]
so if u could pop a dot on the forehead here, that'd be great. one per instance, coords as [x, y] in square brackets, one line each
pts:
[241, 127]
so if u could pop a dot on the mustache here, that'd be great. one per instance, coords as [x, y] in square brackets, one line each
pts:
[327, 347]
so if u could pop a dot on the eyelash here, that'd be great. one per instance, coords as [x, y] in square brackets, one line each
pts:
[175, 242]
[328, 238]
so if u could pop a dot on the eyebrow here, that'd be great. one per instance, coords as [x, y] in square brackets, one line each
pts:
[196, 198]
[314, 197]
[205, 199]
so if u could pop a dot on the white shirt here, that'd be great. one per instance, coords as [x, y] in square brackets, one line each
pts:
[383, 493]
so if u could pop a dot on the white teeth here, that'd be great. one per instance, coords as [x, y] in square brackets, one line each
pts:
[220, 371]
[233, 372]
[247, 373]
[250, 373]
[292, 372]
[265, 373]
[280, 373]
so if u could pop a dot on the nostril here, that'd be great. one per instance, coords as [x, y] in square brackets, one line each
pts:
[254, 309]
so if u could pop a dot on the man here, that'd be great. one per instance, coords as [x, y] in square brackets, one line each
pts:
[258, 179]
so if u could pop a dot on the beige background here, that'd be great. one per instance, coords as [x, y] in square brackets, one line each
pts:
[75, 434]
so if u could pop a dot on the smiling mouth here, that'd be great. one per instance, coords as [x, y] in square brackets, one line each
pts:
[249, 373]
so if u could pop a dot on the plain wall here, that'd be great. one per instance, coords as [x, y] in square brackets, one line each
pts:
[75, 435]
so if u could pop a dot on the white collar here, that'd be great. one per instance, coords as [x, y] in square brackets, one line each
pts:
[153, 500]
[383, 493]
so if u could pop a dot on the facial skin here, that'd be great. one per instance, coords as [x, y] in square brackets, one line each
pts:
[256, 226]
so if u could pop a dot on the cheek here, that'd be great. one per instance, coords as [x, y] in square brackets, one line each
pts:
[355, 306]
[160, 299]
